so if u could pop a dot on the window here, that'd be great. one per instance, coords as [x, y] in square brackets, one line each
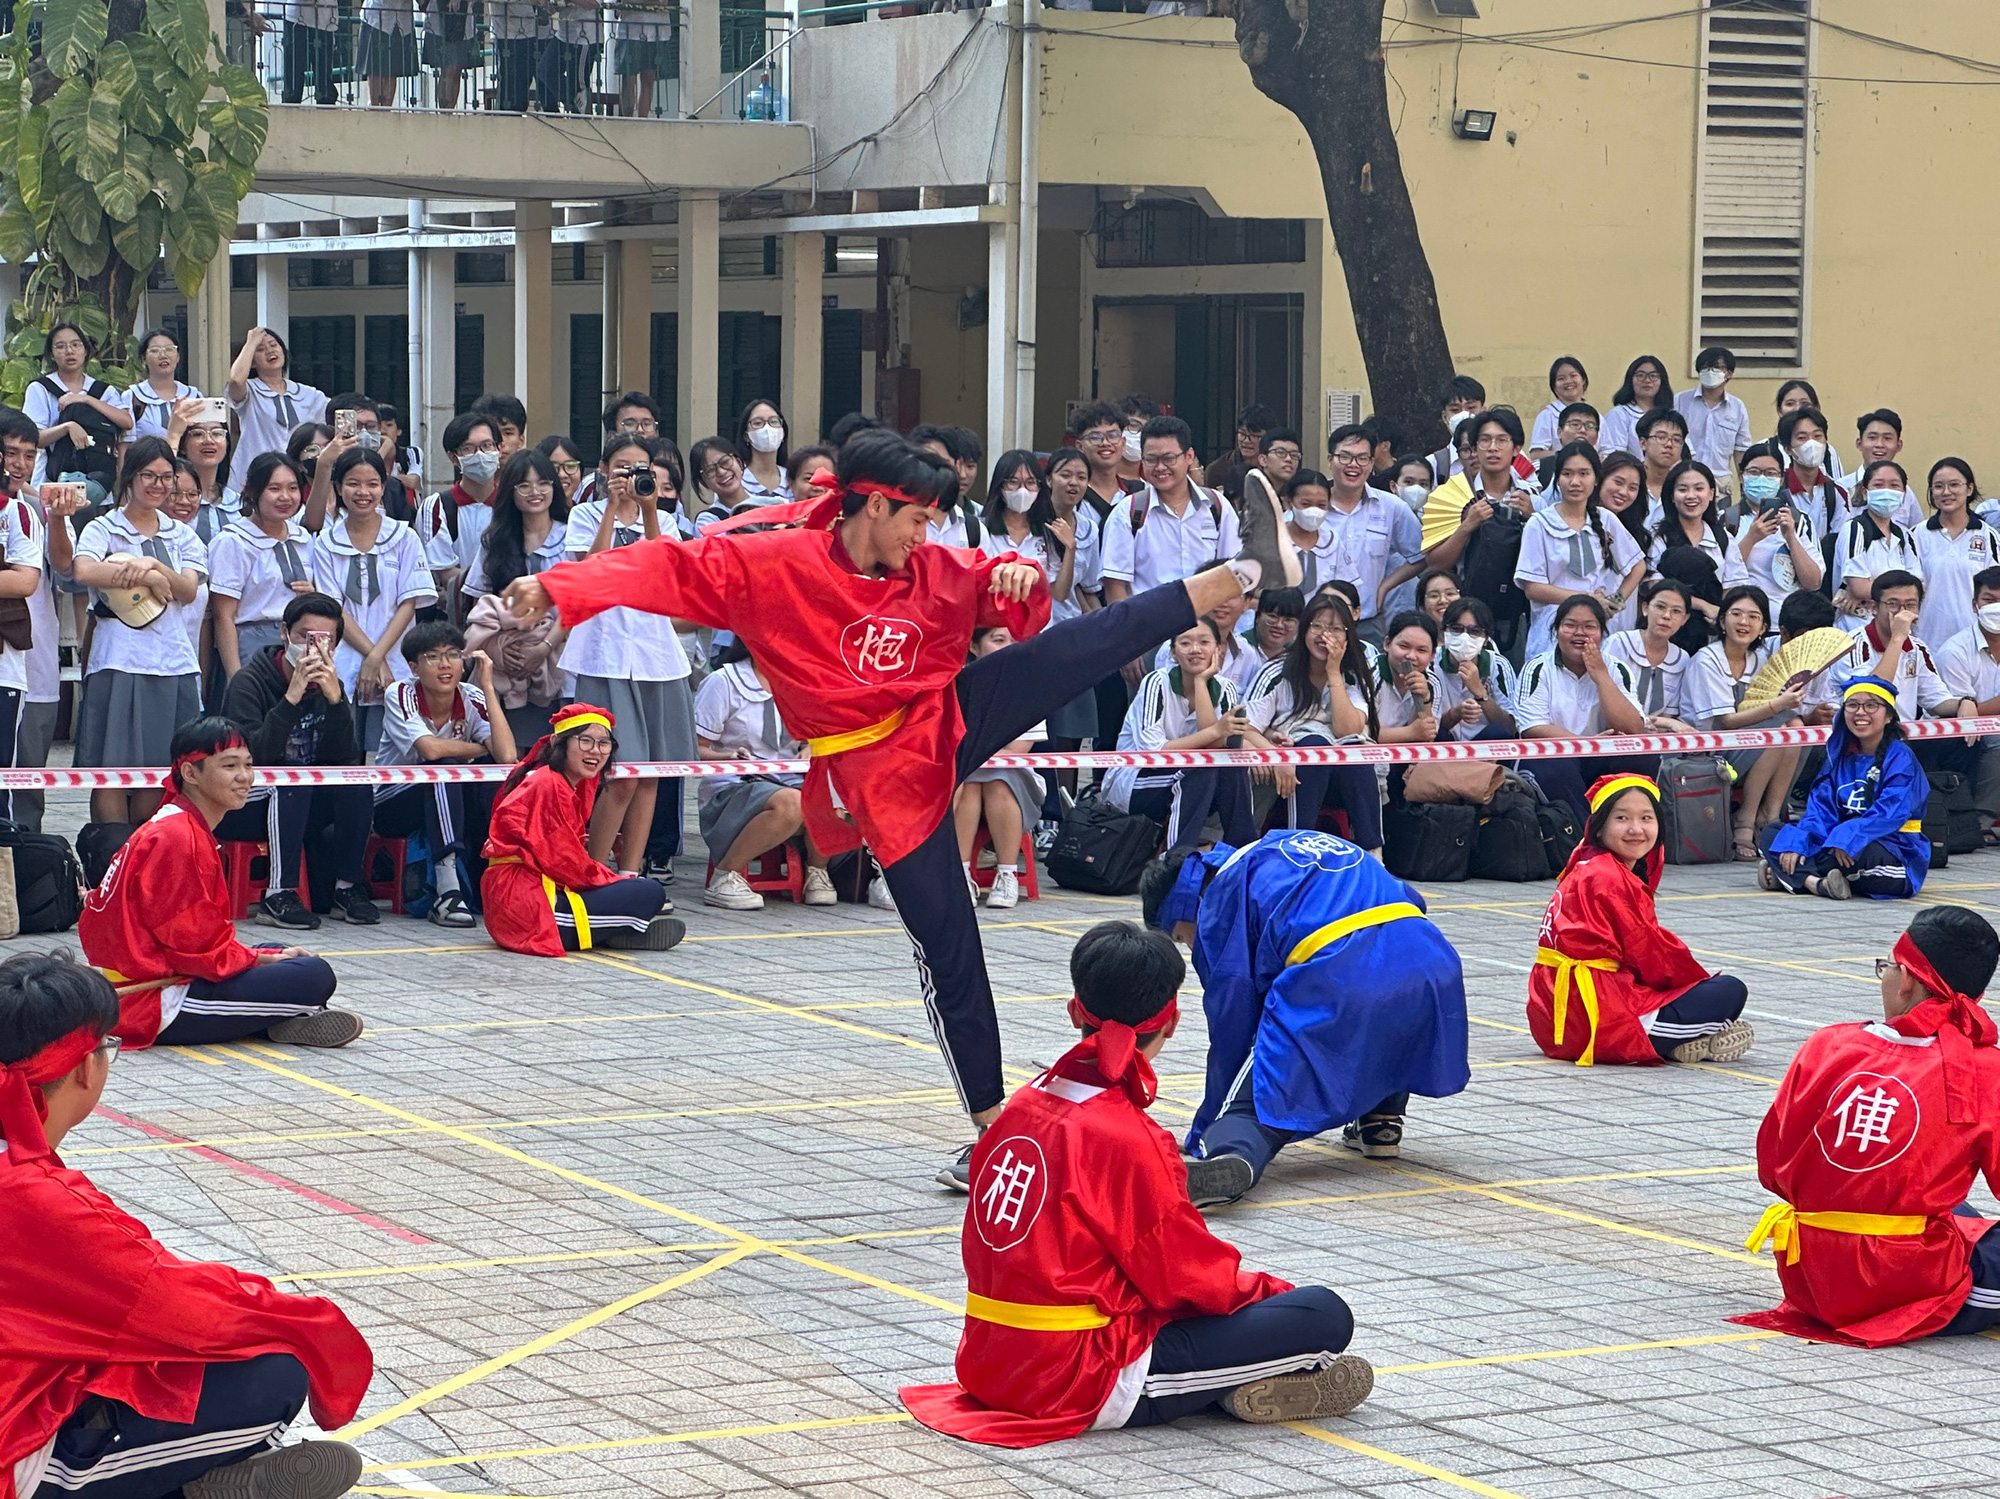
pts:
[1169, 233]
[1751, 183]
[750, 359]
[388, 268]
[840, 354]
[323, 351]
[482, 267]
[666, 371]
[468, 363]
[739, 258]
[320, 270]
[242, 273]
[578, 263]
[586, 377]
[385, 360]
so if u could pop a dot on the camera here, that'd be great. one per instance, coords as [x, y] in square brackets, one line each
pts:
[644, 484]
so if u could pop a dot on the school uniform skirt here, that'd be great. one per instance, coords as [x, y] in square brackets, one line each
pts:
[732, 808]
[130, 719]
[655, 720]
[385, 54]
[1025, 784]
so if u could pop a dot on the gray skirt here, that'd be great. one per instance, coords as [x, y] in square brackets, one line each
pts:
[730, 809]
[1027, 787]
[129, 719]
[255, 635]
[385, 54]
[1075, 719]
[655, 720]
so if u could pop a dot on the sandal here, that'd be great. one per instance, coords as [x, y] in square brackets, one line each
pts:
[1745, 847]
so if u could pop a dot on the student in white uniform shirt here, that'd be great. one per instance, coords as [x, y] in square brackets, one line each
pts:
[1969, 664]
[959, 446]
[1662, 435]
[375, 565]
[1569, 383]
[21, 551]
[1657, 664]
[1571, 690]
[36, 729]
[1170, 529]
[628, 660]
[719, 490]
[1716, 680]
[1008, 801]
[528, 526]
[1241, 660]
[1370, 537]
[1881, 436]
[1872, 543]
[1406, 683]
[760, 443]
[1955, 545]
[152, 400]
[260, 562]
[140, 684]
[1694, 519]
[1890, 635]
[1777, 541]
[1305, 498]
[1319, 693]
[1476, 684]
[82, 420]
[525, 537]
[1718, 423]
[268, 403]
[1567, 549]
[1644, 388]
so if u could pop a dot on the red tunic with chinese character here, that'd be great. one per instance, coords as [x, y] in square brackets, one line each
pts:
[1602, 911]
[841, 651]
[535, 841]
[1078, 1201]
[162, 913]
[1861, 1125]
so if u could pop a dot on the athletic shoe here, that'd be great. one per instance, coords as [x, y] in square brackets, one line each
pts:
[1214, 1180]
[325, 1029]
[972, 888]
[450, 909]
[1726, 1045]
[958, 1175]
[819, 889]
[732, 892]
[1377, 1136]
[1006, 891]
[1833, 885]
[1767, 878]
[661, 933]
[351, 903]
[284, 908]
[305, 1470]
[1312, 1396]
[1266, 541]
[665, 873]
[879, 896]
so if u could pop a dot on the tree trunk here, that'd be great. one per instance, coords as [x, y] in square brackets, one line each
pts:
[1322, 60]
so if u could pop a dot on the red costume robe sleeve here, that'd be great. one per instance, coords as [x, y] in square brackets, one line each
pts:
[537, 831]
[694, 580]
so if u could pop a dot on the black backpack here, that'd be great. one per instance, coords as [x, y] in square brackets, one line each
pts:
[1101, 850]
[97, 843]
[1509, 844]
[1951, 822]
[48, 882]
[1429, 840]
[1486, 568]
[1560, 833]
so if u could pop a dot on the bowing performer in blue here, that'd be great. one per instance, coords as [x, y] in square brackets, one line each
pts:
[1330, 997]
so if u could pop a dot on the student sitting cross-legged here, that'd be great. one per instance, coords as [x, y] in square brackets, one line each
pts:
[439, 718]
[128, 1371]
[1096, 1296]
[159, 926]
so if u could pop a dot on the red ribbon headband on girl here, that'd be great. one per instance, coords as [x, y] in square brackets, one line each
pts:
[22, 1106]
[1117, 1042]
[1959, 1022]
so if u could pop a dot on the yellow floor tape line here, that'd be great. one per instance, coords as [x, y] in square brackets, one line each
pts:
[714, 1434]
[433, 1493]
[758, 1004]
[1442, 1475]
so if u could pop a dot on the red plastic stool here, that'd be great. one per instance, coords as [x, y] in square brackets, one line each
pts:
[398, 852]
[777, 871]
[245, 889]
[983, 878]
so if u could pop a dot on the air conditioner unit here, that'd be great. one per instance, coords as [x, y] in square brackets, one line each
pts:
[1343, 408]
[1456, 10]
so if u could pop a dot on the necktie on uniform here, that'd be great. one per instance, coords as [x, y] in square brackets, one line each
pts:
[364, 578]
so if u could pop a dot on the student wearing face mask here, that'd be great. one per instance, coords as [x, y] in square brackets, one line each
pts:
[473, 443]
[1718, 423]
[1475, 697]
[1136, 410]
[1809, 479]
[1020, 519]
[1872, 544]
[760, 442]
[1778, 539]
[1463, 396]
[1969, 664]
[1305, 500]
[1955, 546]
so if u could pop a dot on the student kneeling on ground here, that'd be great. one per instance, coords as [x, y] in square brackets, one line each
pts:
[438, 718]
[542, 891]
[1096, 1296]
[289, 705]
[128, 1371]
[1610, 984]
[159, 922]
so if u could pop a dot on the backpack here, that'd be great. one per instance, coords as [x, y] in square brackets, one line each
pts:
[100, 460]
[48, 882]
[1429, 840]
[851, 873]
[1486, 568]
[97, 843]
[1694, 809]
[1560, 832]
[1138, 509]
[1951, 822]
[1100, 849]
[1508, 846]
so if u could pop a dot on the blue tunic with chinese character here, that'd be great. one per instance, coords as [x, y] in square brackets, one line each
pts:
[1322, 974]
[1857, 801]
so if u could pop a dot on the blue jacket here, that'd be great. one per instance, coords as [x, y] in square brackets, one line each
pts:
[1329, 1023]
[1845, 812]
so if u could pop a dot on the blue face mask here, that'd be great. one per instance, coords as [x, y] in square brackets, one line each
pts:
[1757, 488]
[1884, 502]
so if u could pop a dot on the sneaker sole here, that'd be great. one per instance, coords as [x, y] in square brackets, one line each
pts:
[1374, 1152]
[1217, 1179]
[826, 899]
[287, 926]
[1833, 885]
[755, 903]
[337, 914]
[459, 923]
[662, 933]
[945, 1179]
[1274, 551]
[1333, 1391]
[327, 1029]
[1730, 1044]
[304, 1470]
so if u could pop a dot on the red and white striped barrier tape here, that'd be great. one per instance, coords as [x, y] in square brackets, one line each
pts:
[1694, 743]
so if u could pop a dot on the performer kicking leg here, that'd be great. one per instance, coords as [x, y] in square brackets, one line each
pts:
[159, 923]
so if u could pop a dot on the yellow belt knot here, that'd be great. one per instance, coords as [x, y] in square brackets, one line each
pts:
[1779, 1227]
[1586, 991]
[853, 739]
[1031, 1318]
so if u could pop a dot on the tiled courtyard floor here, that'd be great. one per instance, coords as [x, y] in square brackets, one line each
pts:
[665, 1223]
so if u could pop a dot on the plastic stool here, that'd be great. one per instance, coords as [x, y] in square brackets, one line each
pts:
[983, 878]
[398, 852]
[245, 889]
[776, 871]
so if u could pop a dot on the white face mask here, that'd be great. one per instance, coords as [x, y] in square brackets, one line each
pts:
[1020, 501]
[1463, 647]
[1713, 377]
[767, 439]
[1989, 618]
[1131, 447]
[1456, 420]
[1414, 495]
[1308, 517]
[1810, 453]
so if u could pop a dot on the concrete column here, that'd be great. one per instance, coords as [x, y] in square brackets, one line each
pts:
[435, 392]
[628, 316]
[698, 294]
[1003, 249]
[1312, 342]
[701, 78]
[799, 306]
[274, 296]
[534, 286]
[208, 327]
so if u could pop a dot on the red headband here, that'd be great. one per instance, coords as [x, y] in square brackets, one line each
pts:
[1958, 1021]
[22, 1106]
[1118, 1059]
[195, 757]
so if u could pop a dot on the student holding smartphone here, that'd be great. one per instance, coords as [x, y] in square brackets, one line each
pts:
[154, 398]
[1778, 538]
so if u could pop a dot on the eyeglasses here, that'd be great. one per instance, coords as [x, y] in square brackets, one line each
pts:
[595, 742]
[757, 423]
[1328, 631]
[641, 424]
[1104, 439]
[570, 470]
[109, 1046]
[1352, 460]
[1493, 440]
[1161, 461]
[441, 658]
[719, 466]
[1283, 450]
[153, 478]
[540, 487]
[1884, 965]
[478, 447]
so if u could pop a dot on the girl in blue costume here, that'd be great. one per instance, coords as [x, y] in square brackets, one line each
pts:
[1330, 997]
[1863, 829]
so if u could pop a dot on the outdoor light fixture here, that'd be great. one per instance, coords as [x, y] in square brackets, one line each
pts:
[1474, 124]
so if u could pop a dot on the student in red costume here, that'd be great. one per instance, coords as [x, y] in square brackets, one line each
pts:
[542, 891]
[1095, 1295]
[1610, 984]
[861, 630]
[127, 1372]
[159, 922]
[1875, 1137]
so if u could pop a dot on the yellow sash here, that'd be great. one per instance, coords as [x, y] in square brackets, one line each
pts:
[1333, 931]
[874, 733]
[576, 909]
[1034, 1318]
[1586, 991]
[1914, 825]
[1780, 1227]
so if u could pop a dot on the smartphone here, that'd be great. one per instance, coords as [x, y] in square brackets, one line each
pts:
[1776, 503]
[214, 412]
[56, 493]
[344, 423]
[320, 641]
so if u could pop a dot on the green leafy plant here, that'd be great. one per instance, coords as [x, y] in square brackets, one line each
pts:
[124, 135]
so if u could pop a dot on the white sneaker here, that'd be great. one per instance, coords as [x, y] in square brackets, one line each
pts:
[1006, 890]
[972, 889]
[732, 892]
[819, 888]
[879, 896]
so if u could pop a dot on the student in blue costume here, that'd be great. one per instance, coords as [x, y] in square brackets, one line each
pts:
[1330, 998]
[1863, 829]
